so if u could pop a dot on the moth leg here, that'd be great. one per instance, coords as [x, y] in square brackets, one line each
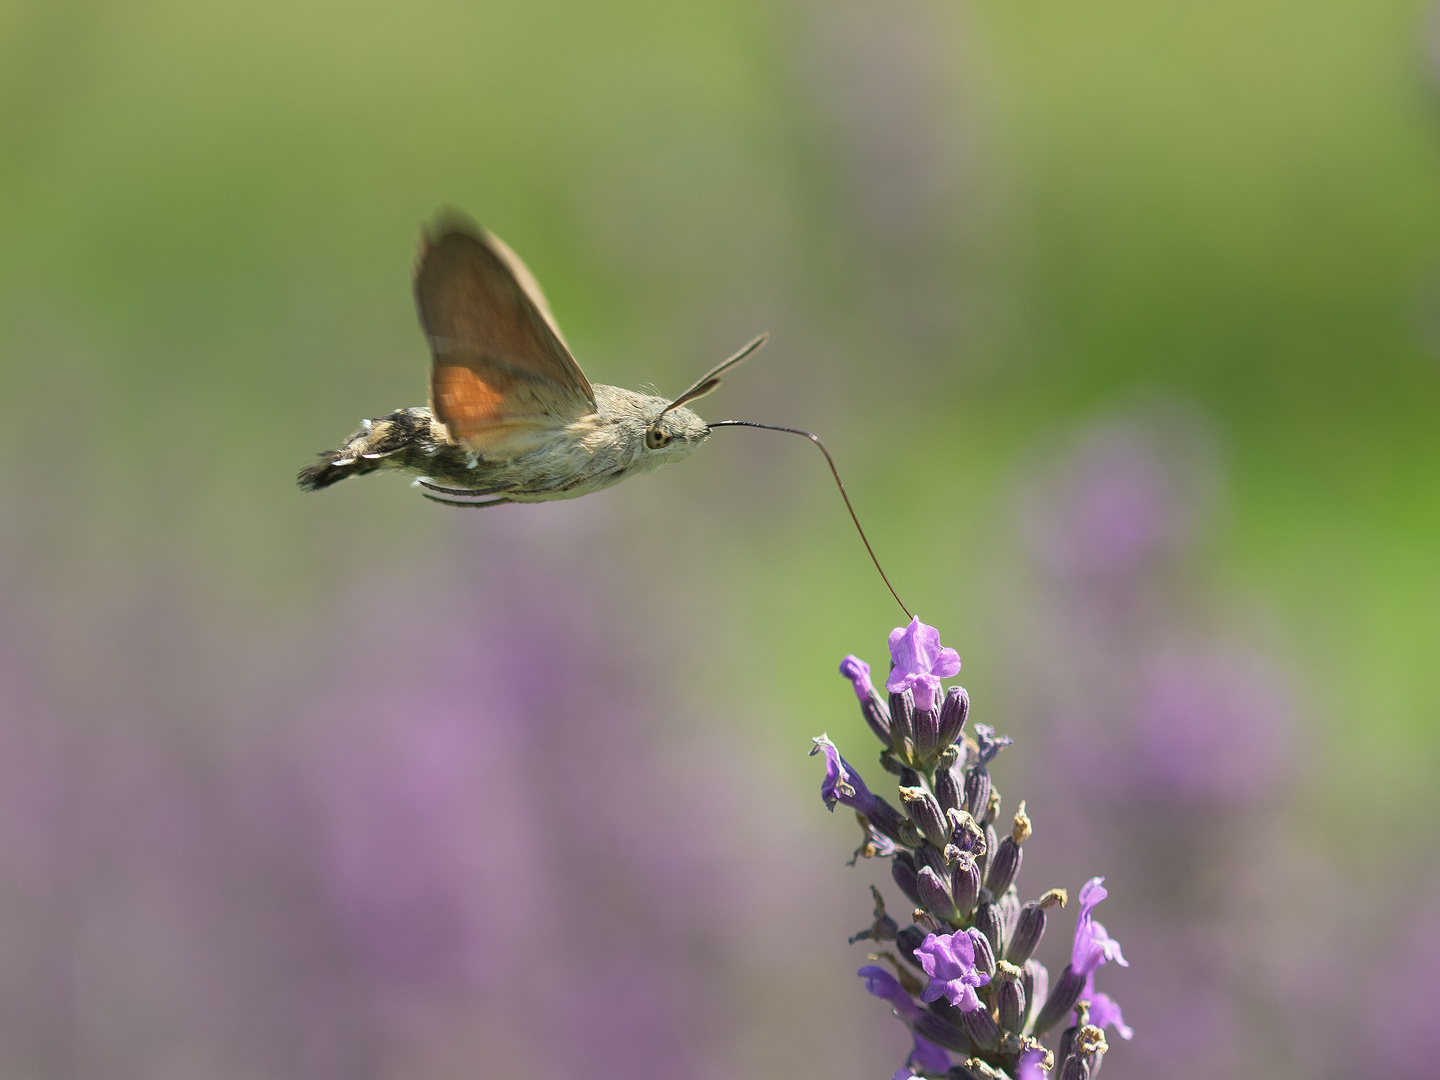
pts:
[462, 502]
[443, 490]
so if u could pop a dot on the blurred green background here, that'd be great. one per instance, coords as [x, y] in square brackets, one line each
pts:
[973, 229]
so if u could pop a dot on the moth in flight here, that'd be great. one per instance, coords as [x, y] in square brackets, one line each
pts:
[512, 418]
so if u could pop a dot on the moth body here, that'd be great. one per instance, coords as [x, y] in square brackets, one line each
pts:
[588, 454]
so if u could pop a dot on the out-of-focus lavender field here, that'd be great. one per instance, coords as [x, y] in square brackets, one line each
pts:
[1123, 323]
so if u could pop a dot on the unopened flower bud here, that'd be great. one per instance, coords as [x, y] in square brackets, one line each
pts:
[984, 954]
[936, 896]
[1062, 998]
[927, 733]
[953, 711]
[902, 718]
[1003, 867]
[941, 1033]
[925, 855]
[928, 922]
[902, 869]
[981, 1027]
[927, 815]
[965, 882]
[948, 789]
[1086, 1049]
[1008, 908]
[1029, 929]
[977, 791]
[991, 843]
[987, 921]
[992, 809]
[907, 941]
[1036, 980]
[1010, 997]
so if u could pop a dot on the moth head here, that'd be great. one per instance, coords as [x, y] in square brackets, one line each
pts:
[675, 429]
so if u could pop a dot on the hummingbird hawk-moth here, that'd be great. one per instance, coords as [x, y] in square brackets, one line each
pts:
[512, 418]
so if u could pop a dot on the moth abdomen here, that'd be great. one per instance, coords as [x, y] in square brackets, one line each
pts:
[404, 433]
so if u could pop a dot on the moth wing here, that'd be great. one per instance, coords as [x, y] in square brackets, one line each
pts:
[502, 380]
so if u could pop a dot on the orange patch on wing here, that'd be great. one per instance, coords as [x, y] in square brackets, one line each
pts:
[464, 401]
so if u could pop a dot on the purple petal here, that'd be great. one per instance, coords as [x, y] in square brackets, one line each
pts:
[884, 985]
[1093, 946]
[928, 1056]
[858, 672]
[1104, 1012]
[947, 664]
[1031, 1066]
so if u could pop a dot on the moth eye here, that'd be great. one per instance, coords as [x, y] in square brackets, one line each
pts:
[655, 438]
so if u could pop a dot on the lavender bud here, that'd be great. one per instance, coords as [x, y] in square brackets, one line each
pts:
[1010, 997]
[981, 1028]
[902, 869]
[1003, 867]
[1074, 1069]
[991, 843]
[1036, 980]
[876, 715]
[948, 789]
[902, 720]
[992, 809]
[907, 941]
[935, 896]
[942, 1034]
[1008, 908]
[1062, 998]
[1086, 1049]
[965, 882]
[926, 814]
[977, 791]
[887, 819]
[927, 732]
[987, 921]
[984, 955]
[925, 855]
[1030, 926]
[953, 711]
[1067, 1042]
[1029, 929]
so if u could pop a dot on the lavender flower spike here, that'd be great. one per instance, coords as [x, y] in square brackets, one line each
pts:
[949, 960]
[1093, 946]
[920, 663]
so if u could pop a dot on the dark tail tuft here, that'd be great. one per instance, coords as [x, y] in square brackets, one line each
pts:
[332, 468]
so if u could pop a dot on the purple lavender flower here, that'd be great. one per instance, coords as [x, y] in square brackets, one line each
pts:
[926, 1055]
[920, 663]
[949, 960]
[1032, 1064]
[1093, 946]
[858, 672]
[1104, 1012]
[842, 783]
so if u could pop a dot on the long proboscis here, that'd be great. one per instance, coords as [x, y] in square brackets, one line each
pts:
[833, 472]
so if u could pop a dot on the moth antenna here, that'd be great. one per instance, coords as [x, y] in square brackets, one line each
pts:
[711, 379]
[828, 460]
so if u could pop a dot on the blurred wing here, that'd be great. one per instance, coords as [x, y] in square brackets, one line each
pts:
[502, 380]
